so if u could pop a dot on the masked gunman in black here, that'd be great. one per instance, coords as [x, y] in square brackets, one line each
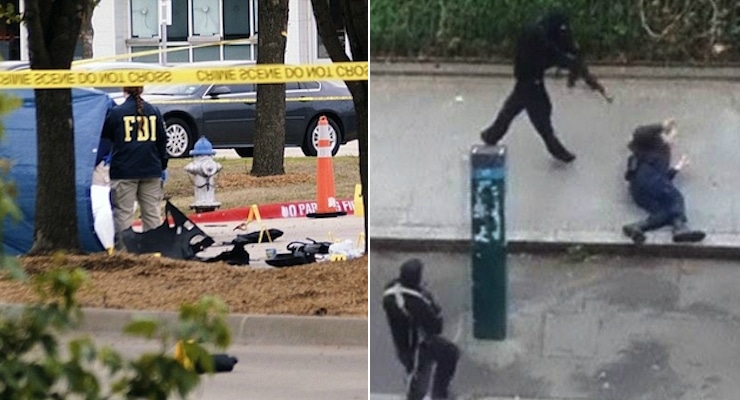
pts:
[416, 325]
[541, 45]
[650, 178]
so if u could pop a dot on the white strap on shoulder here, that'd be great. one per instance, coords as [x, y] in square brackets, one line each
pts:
[397, 291]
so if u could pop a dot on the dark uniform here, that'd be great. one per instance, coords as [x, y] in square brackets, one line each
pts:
[416, 325]
[541, 45]
[138, 162]
[650, 178]
[136, 154]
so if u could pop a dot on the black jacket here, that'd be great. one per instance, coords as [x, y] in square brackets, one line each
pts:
[413, 317]
[137, 154]
[548, 43]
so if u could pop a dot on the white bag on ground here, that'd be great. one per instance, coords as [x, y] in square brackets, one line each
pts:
[102, 215]
[345, 248]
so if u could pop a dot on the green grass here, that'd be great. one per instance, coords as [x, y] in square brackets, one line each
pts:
[235, 187]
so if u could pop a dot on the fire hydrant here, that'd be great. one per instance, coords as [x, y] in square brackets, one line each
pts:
[202, 172]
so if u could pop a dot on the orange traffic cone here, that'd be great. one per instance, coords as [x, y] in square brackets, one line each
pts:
[325, 199]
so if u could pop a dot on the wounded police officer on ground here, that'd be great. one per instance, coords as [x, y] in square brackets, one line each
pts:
[650, 178]
[416, 326]
[541, 45]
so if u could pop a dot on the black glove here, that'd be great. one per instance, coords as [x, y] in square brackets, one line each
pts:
[408, 361]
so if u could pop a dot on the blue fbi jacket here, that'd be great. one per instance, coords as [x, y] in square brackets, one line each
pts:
[139, 143]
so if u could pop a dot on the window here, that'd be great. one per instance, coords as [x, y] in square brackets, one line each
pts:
[144, 18]
[206, 18]
[312, 85]
[338, 20]
[178, 31]
[238, 19]
[198, 22]
[242, 88]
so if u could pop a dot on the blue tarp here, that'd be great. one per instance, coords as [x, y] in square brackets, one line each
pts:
[19, 146]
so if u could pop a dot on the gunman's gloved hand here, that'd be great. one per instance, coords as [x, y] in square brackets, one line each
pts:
[572, 78]
[408, 361]
[164, 175]
[594, 84]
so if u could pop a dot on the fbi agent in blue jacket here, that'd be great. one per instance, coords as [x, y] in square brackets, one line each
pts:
[138, 161]
[541, 45]
[651, 186]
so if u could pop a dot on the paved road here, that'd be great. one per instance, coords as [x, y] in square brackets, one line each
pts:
[275, 372]
[423, 128]
[598, 329]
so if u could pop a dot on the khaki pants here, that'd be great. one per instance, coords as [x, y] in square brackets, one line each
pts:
[124, 192]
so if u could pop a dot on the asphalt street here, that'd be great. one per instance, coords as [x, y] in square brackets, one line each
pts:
[273, 372]
[593, 328]
[424, 126]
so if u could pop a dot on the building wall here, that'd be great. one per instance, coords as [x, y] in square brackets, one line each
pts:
[111, 22]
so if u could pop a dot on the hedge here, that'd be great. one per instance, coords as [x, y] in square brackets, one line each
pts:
[622, 31]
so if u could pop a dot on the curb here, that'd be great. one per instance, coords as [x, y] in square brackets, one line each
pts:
[292, 209]
[278, 330]
[381, 68]
[558, 247]
[282, 330]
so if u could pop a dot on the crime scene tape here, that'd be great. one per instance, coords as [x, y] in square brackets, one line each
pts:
[272, 73]
[143, 53]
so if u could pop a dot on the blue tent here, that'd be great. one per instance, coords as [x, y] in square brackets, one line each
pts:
[19, 146]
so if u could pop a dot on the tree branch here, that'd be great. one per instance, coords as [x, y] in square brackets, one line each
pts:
[328, 31]
[355, 19]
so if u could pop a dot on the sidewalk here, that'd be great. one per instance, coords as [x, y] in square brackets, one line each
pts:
[424, 125]
[598, 328]
[381, 67]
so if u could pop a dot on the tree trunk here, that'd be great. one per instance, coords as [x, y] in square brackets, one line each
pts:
[53, 29]
[354, 13]
[87, 33]
[269, 140]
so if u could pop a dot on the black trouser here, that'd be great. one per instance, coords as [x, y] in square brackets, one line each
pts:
[436, 350]
[530, 96]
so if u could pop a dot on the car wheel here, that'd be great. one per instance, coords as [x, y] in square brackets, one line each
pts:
[310, 145]
[245, 152]
[179, 137]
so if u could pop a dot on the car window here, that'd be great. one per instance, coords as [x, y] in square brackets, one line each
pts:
[242, 89]
[292, 86]
[312, 85]
[173, 90]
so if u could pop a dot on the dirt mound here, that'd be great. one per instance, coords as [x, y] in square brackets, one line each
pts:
[154, 283]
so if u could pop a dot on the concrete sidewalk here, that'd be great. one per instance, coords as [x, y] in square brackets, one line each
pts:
[407, 68]
[424, 126]
[602, 328]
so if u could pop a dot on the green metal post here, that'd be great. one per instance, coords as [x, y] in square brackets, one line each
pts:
[488, 170]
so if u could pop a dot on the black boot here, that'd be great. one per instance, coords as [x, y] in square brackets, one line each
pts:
[489, 137]
[682, 233]
[559, 151]
[635, 231]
